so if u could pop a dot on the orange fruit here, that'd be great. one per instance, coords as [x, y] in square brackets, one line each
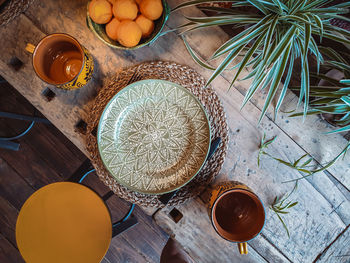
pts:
[100, 11]
[112, 1]
[129, 33]
[152, 9]
[125, 9]
[146, 25]
[111, 29]
[138, 1]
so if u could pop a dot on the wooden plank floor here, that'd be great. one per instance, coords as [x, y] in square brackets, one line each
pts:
[47, 156]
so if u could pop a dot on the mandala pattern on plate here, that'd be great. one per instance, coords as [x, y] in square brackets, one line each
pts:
[153, 136]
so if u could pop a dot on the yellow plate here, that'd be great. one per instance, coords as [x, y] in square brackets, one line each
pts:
[64, 222]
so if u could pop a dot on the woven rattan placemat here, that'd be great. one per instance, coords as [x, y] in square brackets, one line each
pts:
[11, 9]
[185, 77]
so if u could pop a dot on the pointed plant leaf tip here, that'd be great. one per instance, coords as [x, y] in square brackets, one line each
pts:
[280, 32]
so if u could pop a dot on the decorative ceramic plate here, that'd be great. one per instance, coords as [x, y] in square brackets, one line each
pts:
[153, 136]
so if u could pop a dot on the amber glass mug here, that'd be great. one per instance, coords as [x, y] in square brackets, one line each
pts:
[59, 59]
[237, 214]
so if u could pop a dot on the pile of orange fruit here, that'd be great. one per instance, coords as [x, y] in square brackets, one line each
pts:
[127, 21]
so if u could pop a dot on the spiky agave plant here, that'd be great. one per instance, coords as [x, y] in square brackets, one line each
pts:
[280, 32]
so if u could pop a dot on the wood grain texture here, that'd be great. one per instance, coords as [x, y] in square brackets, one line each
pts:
[8, 217]
[8, 252]
[310, 134]
[60, 158]
[49, 150]
[313, 227]
[199, 239]
[146, 237]
[309, 234]
[12, 186]
[339, 251]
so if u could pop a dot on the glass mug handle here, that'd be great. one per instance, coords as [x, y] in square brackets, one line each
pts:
[30, 48]
[243, 248]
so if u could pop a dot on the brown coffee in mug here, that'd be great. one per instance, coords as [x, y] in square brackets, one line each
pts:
[59, 59]
[238, 215]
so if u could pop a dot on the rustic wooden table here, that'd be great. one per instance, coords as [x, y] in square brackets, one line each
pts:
[319, 224]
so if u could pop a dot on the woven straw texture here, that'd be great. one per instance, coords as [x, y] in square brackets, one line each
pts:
[187, 78]
[11, 9]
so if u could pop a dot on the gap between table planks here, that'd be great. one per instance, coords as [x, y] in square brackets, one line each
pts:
[310, 135]
[46, 156]
[73, 112]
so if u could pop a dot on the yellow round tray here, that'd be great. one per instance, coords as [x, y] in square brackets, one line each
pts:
[64, 222]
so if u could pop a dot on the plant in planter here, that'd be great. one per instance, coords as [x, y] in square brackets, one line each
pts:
[332, 99]
[272, 38]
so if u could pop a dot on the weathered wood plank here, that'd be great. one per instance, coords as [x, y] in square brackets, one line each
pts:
[310, 135]
[8, 253]
[216, 35]
[121, 251]
[306, 234]
[8, 217]
[339, 251]
[37, 172]
[198, 237]
[146, 237]
[241, 159]
[64, 160]
[12, 186]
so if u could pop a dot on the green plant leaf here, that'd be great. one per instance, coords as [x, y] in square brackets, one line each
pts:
[195, 57]
[297, 161]
[319, 24]
[319, 102]
[342, 5]
[332, 54]
[305, 82]
[285, 86]
[282, 46]
[293, 204]
[257, 81]
[276, 80]
[341, 17]
[205, 19]
[328, 11]
[247, 56]
[339, 65]
[269, 35]
[307, 162]
[198, 2]
[284, 225]
[222, 10]
[296, 6]
[343, 152]
[220, 23]
[258, 5]
[231, 56]
[279, 27]
[324, 77]
[242, 39]
[346, 99]
[333, 37]
[343, 129]
[345, 81]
